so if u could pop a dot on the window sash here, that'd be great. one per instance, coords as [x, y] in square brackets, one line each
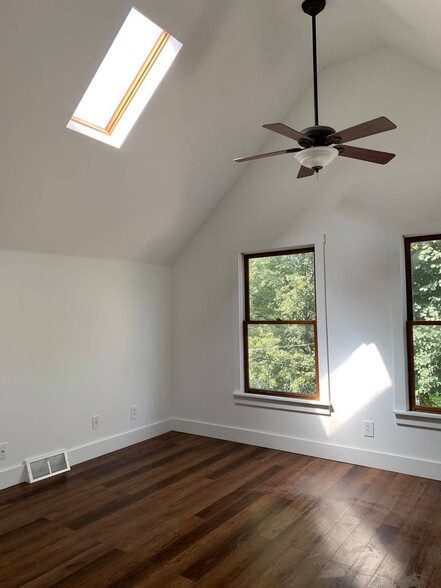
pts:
[247, 322]
[410, 324]
[249, 256]
[315, 396]
[411, 365]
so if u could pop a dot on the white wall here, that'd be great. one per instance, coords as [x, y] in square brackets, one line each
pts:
[353, 203]
[80, 337]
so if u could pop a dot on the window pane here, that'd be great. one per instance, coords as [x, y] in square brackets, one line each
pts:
[426, 279]
[427, 365]
[282, 287]
[281, 358]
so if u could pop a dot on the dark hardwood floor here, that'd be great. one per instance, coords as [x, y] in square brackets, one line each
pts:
[181, 511]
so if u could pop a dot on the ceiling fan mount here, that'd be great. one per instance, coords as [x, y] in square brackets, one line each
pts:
[318, 135]
[313, 7]
[319, 145]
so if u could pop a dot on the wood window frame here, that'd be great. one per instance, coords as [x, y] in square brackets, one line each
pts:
[410, 323]
[247, 321]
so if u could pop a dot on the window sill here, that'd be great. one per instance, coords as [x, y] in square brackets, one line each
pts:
[283, 403]
[418, 419]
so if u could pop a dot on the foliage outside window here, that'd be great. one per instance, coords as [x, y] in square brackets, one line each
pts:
[280, 326]
[423, 277]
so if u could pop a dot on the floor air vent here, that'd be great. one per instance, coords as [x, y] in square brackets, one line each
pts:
[47, 466]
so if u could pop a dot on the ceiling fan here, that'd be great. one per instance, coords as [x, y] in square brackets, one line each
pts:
[320, 145]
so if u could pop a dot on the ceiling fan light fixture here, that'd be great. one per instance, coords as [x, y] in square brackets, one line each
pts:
[316, 157]
[316, 150]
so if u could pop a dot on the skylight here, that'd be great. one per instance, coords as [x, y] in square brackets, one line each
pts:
[132, 69]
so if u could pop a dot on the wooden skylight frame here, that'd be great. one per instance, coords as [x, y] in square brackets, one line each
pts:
[130, 99]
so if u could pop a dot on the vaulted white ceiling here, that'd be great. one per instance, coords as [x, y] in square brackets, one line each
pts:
[243, 63]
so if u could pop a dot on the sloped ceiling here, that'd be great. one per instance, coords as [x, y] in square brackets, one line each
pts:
[243, 63]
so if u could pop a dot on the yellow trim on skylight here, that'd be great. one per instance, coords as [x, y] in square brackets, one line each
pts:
[134, 86]
[127, 78]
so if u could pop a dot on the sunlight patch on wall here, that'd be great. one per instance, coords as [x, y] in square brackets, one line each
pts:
[360, 379]
[132, 69]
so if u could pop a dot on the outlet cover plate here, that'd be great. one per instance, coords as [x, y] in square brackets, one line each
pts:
[368, 428]
[3, 450]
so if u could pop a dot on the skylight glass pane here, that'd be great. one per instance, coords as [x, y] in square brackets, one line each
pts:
[131, 71]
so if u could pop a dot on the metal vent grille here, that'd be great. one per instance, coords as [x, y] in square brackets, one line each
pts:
[39, 468]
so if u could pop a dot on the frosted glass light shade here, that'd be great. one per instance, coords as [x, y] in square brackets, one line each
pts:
[316, 157]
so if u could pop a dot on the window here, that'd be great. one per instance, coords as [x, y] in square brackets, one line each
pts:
[280, 325]
[132, 69]
[423, 296]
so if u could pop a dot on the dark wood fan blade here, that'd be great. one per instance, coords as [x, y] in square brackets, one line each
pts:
[381, 157]
[305, 172]
[262, 155]
[287, 132]
[366, 129]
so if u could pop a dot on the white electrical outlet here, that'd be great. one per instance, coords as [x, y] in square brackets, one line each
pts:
[96, 422]
[133, 412]
[3, 450]
[368, 428]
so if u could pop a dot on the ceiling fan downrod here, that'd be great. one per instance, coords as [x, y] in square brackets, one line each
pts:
[320, 145]
[314, 7]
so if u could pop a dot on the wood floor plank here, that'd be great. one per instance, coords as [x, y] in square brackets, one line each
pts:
[69, 566]
[246, 453]
[182, 510]
[180, 544]
[395, 562]
[355, 581]
[372, 555]
[221, 552]
[152, 462]
[12, 540]
[381, 582]
[332, 574]
[188, 548]
[311, 567]
[36, 558]
[374, 504]
[194, 459]
[91, 573]
[245, 553]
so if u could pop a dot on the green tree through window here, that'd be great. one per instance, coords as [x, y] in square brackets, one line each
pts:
[280, 330]
[423, 272]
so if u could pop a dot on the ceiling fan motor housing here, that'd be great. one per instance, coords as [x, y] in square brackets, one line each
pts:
[319, 136]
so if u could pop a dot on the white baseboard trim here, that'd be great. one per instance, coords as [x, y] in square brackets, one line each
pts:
[115, 442]
[12, 476]
[16, 474]
[383, 461]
